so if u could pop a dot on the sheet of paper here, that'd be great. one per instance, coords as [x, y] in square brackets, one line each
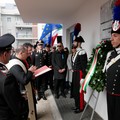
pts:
[41, 71]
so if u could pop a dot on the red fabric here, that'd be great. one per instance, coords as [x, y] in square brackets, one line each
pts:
[81, 74]
[53, 39]
[26, 64]
[81, 94]
[117, 3]
[81, 100]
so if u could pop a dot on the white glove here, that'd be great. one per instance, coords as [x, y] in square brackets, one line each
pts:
[81, 81]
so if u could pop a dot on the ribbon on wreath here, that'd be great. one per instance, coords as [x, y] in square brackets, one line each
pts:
[90, 72]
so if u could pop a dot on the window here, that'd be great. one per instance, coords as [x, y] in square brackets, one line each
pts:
[8, 19]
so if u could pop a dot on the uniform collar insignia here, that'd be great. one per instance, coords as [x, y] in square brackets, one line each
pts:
[118, 50]
[3, 67]
[116, 25]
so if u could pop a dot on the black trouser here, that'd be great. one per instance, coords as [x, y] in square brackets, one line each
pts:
[26, 109]
[59, 84]
[113, 106]
[77, 100]
[40, 85]
[76, 88]
[49, 79]
[71, 90]
[8, 115]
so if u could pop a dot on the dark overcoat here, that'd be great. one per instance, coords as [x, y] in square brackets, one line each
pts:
[59, 61]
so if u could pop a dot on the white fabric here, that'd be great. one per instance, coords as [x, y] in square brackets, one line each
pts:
[73, 59]
[69, 72]
[16, 62]
[108, 55]
[82, 52]
[114, 60]
[81, 81]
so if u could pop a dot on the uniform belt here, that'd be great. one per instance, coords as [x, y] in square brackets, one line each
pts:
[113, 94]
[76, 70]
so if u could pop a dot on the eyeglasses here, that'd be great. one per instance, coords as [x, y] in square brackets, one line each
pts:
[59, 46]
[73, 47]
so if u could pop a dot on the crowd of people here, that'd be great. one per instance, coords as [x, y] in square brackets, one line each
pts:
[18, 67]
[68, 70]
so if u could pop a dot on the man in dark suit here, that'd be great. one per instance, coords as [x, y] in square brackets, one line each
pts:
[59, 62]
[10, 97]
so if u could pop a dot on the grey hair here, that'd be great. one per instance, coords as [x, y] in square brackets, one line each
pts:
[20, 48]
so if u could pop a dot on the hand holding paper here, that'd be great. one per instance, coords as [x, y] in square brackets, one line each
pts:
[41, 70]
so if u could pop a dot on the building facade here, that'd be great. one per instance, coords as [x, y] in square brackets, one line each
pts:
[11, 22]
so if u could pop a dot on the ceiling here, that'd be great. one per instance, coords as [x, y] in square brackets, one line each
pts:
[47, 11]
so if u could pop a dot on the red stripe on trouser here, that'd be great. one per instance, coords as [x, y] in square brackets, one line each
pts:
[81, 100]
[81, 94]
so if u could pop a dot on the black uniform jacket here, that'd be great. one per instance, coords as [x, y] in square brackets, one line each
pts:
[59, 61]
[10, 97]
[39, 59]
[113, 74]
[80, 61]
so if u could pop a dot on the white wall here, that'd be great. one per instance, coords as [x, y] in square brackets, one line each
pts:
[89, 17]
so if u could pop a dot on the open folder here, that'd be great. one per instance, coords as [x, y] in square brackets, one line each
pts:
[41, 70]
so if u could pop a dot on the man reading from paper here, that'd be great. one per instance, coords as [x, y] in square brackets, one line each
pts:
[19, 68]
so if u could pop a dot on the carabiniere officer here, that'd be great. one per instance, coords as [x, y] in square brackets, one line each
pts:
[112, 70]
